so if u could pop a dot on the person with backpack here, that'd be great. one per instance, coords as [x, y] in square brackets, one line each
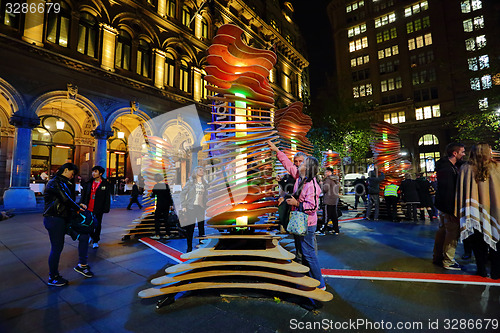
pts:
[59, 206]
[306, 197]
[96, 197]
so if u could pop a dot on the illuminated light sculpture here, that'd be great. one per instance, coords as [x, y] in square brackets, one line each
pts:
[241, 188]
[292, 125]
[331, 159]
[156, 161]
[387, 153]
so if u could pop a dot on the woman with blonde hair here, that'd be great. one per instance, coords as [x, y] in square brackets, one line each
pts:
[478, 207]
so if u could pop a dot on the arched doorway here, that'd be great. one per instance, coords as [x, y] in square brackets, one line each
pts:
[180, 135]
[53, 144]
[117, 154]
[428, 147]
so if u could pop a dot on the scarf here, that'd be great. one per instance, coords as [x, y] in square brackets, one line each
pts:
[477, 204]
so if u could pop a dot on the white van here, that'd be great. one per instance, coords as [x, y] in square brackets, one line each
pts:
[349, 180]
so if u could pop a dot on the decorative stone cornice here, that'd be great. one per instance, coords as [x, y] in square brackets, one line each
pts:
[84, 142]
[7, 131]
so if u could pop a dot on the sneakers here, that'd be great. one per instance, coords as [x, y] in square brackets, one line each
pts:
[454, 267]
[84, 270]
[323, 288]
[156, 237]
[95, 245]
[57, 281]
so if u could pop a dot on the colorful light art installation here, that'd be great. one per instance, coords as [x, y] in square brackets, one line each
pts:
[386, 153]
[496, 155]
[331, 159]
[242, 188]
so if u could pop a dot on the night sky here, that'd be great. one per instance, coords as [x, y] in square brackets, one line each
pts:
[312, 19]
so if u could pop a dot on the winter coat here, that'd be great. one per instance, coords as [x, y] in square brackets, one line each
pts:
[447, 175]
[409, 189]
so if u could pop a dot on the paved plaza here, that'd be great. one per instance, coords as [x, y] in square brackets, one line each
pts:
[380, 274]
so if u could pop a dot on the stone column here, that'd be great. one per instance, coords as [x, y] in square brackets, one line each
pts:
[19, 195]
[159, 67]
[101, 150]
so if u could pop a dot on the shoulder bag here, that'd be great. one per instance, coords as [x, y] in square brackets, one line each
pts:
[297, 224]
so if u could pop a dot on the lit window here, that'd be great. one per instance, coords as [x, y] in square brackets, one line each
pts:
[465, 6]
[428, 39]
[353, 62]
[143, 58]
[204, 29]
[428, 112]
[409, 27]
[418, 25]
[87, 35]
[355, 5]
[398, 82]
[484, 61]
[186, 16]
[468, 27]
[169, 70]
[411, 44]
[383, 20]
[171, 8]
[470, 44]
[477, 4]
[483, 104]
[184, 76]
[428, 140]
[475, 83]
[123, 50]
[416, 8]
[383, 86]
[486, 81]
[426, 22]
[478, 22]
[481, 41]
[356, 30]
[58, 25]
[381, 54]
[395, 117]
[390, 84]
[355, 92]
[419, 41]
[358, 44]
[362, 90]
[395, 50]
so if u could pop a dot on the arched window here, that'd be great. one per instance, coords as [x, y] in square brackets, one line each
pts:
[171, 7]
[143, 58]
[204, 28]
[428, 140]
[53, 144]
[186, 16]
[203, 89]
[87, 35]
[169, 70]
[117, 155]
[58, 25]
[123, 50]
[8, 16]
[184, 76]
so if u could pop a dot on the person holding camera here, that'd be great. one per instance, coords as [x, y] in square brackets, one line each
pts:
[59, 205]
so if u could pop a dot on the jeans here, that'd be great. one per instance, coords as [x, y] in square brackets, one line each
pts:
[309, 254]
[96, 235]
[445, 243]
[356, 200]
[373, 199]
[196, 214]
[56, 226]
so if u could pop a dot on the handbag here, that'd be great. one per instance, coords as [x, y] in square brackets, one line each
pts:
[297, 224]
[81, 223]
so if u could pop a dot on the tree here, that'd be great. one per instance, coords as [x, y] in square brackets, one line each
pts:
[479, 127]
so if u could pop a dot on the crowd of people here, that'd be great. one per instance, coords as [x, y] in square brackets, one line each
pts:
[463, 199]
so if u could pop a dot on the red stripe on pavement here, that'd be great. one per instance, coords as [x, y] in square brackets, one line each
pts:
[409, 276]
[163, 249]
[351, 219]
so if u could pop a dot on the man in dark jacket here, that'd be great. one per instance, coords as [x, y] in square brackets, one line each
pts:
[410, 197]
[374, 193]
[96, 197]
[359, 191]
[134, 197]
[164, 203]
[445, 243]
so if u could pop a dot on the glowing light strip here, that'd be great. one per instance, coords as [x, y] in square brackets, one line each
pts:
[409, 277]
